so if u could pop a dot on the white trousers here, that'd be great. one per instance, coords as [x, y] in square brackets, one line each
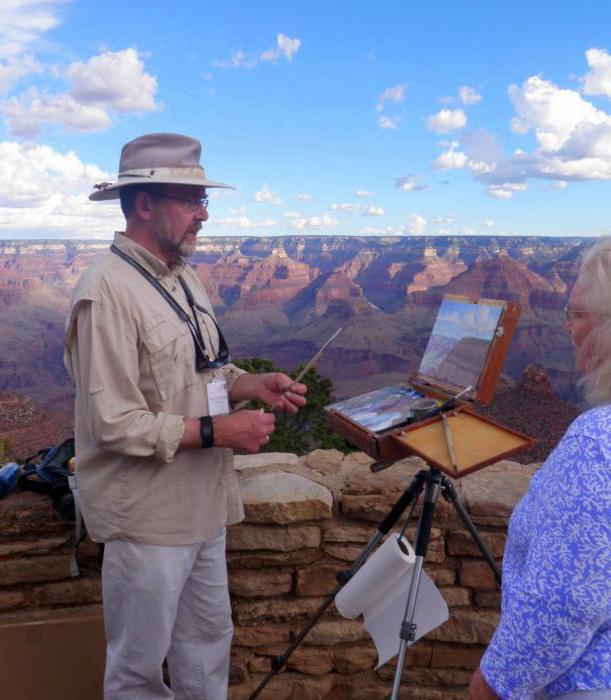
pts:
[166, 602]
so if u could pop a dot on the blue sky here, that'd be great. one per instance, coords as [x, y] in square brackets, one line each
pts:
[391, 118]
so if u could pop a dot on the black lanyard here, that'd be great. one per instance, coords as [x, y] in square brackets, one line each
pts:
[202, 359]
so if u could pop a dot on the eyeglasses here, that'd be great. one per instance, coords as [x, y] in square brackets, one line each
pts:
[572, 314]
[192, 204]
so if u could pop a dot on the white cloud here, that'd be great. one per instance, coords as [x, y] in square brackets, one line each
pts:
[243, 221]
[443, 220]
[266, 196]
[598, 80]
[363, 193]
[383, 231]
[14, 69]
[373, 211]
[506, 190]
[108, 84]
[386, 122]
[394, 94]
[22, 22]
[303, 197]
[28, 113]
[410, 183]
[347, 207]
[489, 223]
[317, 222]
[417, 224]
[286, 47]
[292, 215]
[45, 193]
[561, 185]
[451, 159]
[114, 80]
[446, 120]
[468, 96]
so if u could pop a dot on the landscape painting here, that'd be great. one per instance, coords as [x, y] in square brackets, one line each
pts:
[460, 342]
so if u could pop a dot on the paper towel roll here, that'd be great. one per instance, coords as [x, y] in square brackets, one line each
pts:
[373, 581]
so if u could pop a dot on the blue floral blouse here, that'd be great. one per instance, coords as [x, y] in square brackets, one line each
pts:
[554, 636]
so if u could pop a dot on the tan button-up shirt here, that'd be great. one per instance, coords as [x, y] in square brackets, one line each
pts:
[133, 362]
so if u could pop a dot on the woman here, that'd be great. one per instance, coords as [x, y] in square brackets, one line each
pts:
[554, 637]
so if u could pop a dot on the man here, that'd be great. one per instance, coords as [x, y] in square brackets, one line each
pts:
[155, 432]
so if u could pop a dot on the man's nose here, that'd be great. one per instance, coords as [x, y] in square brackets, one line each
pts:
[202, 213]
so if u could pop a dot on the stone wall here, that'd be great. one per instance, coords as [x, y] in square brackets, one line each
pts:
[306, 519]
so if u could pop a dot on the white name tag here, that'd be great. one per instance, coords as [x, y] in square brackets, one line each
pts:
[218, 399]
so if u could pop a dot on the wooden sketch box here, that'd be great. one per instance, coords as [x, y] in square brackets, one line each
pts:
[465, 353]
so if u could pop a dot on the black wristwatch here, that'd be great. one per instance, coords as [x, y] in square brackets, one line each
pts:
[206, 431]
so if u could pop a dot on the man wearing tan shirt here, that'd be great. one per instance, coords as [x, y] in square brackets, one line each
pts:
[155, 431]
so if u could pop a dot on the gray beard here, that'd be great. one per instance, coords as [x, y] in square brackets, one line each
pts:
[163, 237]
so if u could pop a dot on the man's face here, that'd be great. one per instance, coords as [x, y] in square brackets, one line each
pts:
[176, 222]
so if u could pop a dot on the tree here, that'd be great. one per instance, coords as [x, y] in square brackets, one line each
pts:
[307, 430]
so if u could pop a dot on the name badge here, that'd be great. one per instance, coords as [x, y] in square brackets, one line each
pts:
[218, 399]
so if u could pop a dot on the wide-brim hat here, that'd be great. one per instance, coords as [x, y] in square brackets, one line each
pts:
[168, 159]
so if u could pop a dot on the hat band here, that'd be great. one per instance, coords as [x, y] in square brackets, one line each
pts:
[194, 173]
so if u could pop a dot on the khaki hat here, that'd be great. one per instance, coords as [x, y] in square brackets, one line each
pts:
[171, 159]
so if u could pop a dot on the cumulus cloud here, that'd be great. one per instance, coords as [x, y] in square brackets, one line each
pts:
[266, 196]
[316, 222]
[394, 94]
[243, 221]
[363, 193]
[22, 22]
[506, 190]
[303, 197]
[410, 183]
[14, 69]
[451, 159]
[489, 223]
[417, 224]
[348, 207]
[598, 80]
[106, 85]
[373, 211]
[45, 193]
[386, 122]
[286, 47]
[446, 120]
[468, 96]
[114, 80]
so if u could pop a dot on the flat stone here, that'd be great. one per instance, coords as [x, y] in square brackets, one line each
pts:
[331, 632]
[347, 553]
[41, 545]
[467, 627]
[249, 583]
[476, 574]
[455, 596]
[314, 661]
[273, 609]
[460, 543]
[317, 580]
[79, 591]
[488, 599]
[281, 498]
[353, 658]
[254, 537]
[325, 461]
[491, 494]
[264, 459]
[347, 532]
[259, 635]
[454, 656]
[34, 569]
[260, 560]
[26, 513]
[11, 599]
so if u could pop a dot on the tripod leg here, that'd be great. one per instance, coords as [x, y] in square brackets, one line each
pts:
[449, 493]
[408, 628]
[411, 492]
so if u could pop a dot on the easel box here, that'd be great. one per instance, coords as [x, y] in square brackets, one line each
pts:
[491, 441]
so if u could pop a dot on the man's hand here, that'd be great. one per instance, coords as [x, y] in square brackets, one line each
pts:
[244, 431]
[479, 688]
[271, 388]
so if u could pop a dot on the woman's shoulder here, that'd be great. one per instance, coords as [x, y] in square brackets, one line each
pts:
[594, 424]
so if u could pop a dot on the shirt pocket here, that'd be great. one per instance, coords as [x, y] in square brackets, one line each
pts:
[171, 357]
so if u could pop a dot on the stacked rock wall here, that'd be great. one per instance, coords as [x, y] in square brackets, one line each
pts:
[306, 520]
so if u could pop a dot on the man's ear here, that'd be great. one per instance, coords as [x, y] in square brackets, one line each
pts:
[143, 206]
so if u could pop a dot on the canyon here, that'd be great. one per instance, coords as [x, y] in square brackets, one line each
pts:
[281, 297]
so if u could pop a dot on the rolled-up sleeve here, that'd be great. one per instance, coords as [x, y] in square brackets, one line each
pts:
[103, 359]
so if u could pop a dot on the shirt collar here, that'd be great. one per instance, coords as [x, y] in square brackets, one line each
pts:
[149, 261]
